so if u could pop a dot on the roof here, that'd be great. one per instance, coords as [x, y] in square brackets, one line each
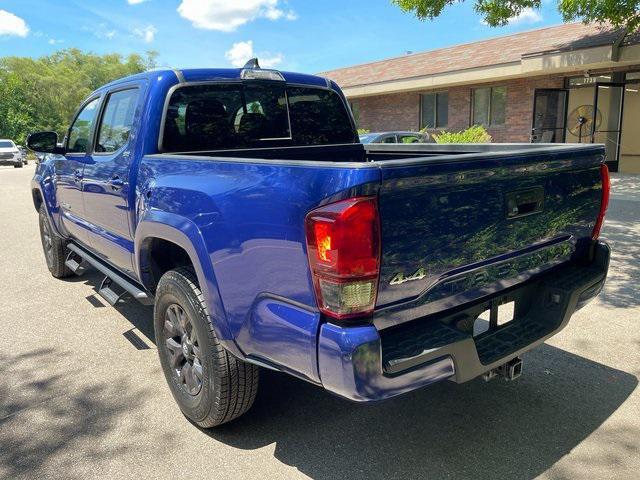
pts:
[485, 53]
[210, 74]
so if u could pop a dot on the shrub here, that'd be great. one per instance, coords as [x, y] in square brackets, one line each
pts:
[363, 131]
[475, 134]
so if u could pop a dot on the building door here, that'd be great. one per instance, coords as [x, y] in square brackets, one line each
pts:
[549, 115]
[607, 127]
[630, 144]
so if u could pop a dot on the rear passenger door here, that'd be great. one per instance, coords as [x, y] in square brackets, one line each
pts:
[108, 199]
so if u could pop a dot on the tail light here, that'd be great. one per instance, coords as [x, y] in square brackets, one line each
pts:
[343, 245]
[606, 189]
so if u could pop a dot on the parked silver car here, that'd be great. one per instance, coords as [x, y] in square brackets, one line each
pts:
[10, 154]
[396, 137]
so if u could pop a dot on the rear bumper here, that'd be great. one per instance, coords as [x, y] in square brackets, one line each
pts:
[363, 364]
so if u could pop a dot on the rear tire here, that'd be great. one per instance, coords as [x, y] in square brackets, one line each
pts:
[210, 385]
[55, 250]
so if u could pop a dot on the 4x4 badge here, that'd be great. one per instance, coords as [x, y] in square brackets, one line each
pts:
[399, 278]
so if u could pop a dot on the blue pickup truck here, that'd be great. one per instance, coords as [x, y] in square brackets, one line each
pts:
[240, 203]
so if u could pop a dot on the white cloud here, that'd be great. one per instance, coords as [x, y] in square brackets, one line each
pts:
[101, 31]
[53, 41]
[241, 52]
[11, 24]
[147, 33]
[228, 15]
[528, 15]
[135, 2]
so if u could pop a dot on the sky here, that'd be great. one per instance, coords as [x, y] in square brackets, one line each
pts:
[296, 35]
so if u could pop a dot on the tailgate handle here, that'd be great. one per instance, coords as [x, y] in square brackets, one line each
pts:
[525, 202]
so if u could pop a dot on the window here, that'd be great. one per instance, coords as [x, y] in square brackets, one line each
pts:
[389, 139]
[7, 144]
[318, 117]
[80, 131]
[408, 139]
[489, 106]
[355, 110]
[434, 110]
[233, 116]
[117, 120]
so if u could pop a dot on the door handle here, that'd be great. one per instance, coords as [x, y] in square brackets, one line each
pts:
[116, 183]
[525, 202]
[77, 175]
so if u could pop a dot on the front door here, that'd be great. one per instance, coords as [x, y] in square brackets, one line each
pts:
[549, 116]
[70, 169]
[106, 181]
[607, 127]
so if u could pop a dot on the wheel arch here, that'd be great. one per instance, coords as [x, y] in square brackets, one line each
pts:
[36, 196]
[179, 239]
[43, 193]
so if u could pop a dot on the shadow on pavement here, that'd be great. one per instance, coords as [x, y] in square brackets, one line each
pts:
[48, 414]
[140, 316]
[482, 431]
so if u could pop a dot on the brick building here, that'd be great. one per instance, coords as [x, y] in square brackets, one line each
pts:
[568, 83]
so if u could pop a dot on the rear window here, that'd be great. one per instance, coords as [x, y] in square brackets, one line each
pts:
[253, 115]
[6, 144]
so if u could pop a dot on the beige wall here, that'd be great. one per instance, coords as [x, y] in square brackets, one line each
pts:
[630, 147]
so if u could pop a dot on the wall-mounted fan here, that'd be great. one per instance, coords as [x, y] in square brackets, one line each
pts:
[581, 121]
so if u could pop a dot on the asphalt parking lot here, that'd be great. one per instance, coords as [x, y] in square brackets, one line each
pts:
[82, 394]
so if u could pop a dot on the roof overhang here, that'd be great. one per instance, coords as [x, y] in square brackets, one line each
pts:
[546, 63]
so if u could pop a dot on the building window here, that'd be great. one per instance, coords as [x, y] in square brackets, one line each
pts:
[434, 110]
[355, 110]
[489, 106]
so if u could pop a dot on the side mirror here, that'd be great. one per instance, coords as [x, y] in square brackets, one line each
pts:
[44, 142]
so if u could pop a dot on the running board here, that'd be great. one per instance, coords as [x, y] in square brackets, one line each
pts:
[110, 293]
[76, 264]
[112, 277]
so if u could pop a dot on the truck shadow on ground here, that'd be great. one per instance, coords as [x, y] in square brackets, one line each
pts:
[477, 430]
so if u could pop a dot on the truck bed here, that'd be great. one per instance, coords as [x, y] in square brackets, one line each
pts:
[444, 210]
[419, 152]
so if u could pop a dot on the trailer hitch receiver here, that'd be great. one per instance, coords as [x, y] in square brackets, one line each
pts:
[509, 371]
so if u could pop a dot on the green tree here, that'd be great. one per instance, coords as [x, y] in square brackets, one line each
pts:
[42, 93]
[619, 13]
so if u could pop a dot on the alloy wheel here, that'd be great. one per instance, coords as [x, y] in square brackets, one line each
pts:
[183, 349]
[47, 241]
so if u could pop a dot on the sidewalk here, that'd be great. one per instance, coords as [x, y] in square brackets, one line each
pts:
[625, 186]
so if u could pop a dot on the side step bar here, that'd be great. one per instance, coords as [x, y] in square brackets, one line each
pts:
[112, 277]
[76, 264]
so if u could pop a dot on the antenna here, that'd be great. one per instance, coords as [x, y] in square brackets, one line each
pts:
[253, 63]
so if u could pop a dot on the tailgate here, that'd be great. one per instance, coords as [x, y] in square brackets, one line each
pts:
[457, 229]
